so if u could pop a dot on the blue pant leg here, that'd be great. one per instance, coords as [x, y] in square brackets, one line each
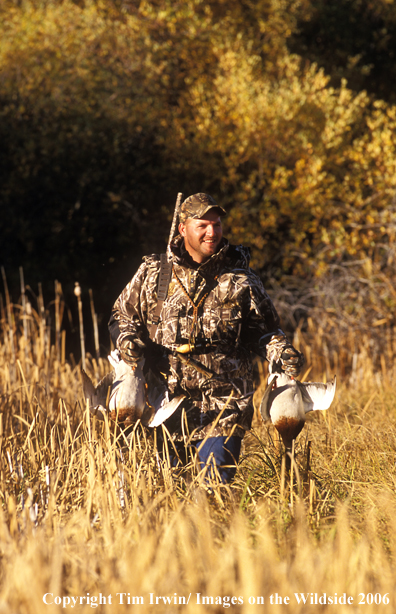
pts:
[224, 451]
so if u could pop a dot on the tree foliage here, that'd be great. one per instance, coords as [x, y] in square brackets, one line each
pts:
[353, 40]
[108, 109]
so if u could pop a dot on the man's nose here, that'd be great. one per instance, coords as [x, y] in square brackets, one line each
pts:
[210, 230]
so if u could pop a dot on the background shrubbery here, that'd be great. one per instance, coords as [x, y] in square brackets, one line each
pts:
[109, 108]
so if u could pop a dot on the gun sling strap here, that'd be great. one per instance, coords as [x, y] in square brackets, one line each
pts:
[165, 275]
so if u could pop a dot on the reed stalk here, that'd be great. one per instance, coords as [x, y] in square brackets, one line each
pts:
[77, 292]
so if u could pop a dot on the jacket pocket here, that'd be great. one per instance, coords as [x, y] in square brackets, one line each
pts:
[225, 324]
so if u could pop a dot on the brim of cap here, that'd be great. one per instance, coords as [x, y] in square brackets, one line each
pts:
[221, 211]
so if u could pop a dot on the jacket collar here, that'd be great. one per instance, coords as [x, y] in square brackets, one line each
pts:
[181, 256]
[234, 256]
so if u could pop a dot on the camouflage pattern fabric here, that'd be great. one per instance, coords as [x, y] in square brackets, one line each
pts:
[223, 307]
[196, 205]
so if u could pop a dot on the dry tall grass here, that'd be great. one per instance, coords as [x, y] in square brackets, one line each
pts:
[91, 521]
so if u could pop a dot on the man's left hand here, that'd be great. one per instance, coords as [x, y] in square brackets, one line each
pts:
[291, 361]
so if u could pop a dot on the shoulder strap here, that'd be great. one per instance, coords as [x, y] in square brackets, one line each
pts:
[164, 278]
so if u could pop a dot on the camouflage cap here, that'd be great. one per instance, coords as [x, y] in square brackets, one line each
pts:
[196, 205]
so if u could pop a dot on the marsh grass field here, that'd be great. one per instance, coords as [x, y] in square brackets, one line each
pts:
[92, 521]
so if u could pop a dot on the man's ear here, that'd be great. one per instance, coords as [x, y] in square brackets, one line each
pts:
[182, 229]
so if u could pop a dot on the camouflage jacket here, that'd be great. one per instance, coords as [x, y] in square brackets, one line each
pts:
[220, 305]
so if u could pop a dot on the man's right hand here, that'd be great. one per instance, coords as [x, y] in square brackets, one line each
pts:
[130, 352]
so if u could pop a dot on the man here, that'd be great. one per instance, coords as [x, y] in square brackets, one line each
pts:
[217, 313]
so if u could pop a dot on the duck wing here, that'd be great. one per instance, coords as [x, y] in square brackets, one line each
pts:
[316, 395]
[158, 401]
[97, 395]
[265, 401]
[165, 410]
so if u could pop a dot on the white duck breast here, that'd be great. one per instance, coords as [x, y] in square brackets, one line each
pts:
[286, 401]
[125, 395]
[128, 392]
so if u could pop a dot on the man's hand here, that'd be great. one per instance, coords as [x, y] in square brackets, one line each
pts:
[130, 352]
[291, 361]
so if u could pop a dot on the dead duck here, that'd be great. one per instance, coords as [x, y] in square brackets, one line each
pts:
[286, 401]
[127, 396]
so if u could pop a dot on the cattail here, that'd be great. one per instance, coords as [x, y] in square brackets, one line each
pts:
[41, 308]
[24, 312]
[95, 325]
[77, 292]
[9, 315]
[57, 320]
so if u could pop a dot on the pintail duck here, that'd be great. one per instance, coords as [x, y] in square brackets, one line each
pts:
[127, 395]
[286, 401]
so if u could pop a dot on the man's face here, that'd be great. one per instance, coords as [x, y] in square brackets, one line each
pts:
[202, 236]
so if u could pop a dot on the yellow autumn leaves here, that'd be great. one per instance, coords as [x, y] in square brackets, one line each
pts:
[308, 171]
